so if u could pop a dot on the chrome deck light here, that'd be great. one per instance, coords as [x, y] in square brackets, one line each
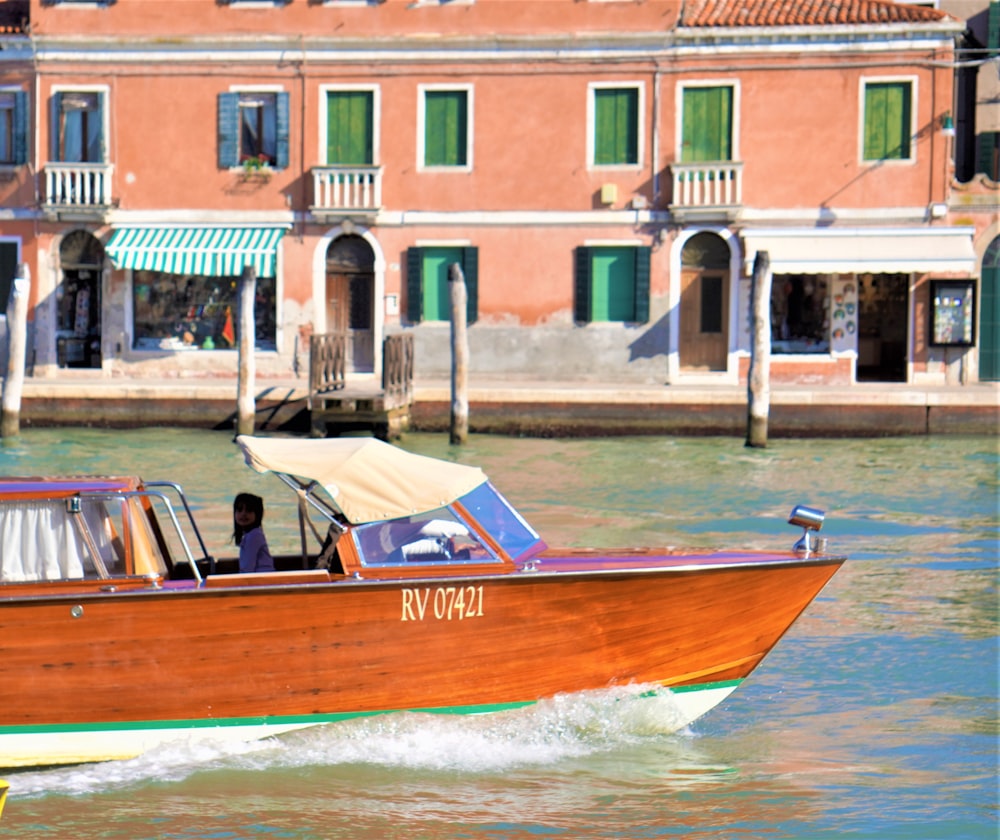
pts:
[808, 519]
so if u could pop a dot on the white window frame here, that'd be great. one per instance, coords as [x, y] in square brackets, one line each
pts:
[592, 88]
[376, 93]
[863, 83]
[422, 90]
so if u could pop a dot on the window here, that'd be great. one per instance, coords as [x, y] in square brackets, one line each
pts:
[445, 128]
[707, 124]
[800, 313]
[79, 136]
[953, 313]
[9, 252]
[615, 126]
[427, 292]
[887, 120]
[612, 284]
[13, 127]
[350, 127]
[191, 312]
[253, 126]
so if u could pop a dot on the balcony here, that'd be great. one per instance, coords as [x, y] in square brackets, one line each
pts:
[346, 191]
[79, 191]
[708, 190]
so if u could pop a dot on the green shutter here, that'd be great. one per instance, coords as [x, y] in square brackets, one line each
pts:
[229, 130]
[642, 274]
[445, 128]
[988, 154]
[707, 124]
[414, 283]
[20, 150]
[887, 121]
[613, 284]
[989, 315]
[350, 128]
[470, 268]
[616, 126]
[281, 132]
[583, 271]
[436, 292]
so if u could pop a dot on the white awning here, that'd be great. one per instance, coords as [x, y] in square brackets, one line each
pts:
[862, 250]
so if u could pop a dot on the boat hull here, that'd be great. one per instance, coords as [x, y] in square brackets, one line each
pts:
[99, 675]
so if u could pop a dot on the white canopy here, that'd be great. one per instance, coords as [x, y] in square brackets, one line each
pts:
[368, 479]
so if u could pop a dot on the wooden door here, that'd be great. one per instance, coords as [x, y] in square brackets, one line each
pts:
[349, 310]
[704, 320]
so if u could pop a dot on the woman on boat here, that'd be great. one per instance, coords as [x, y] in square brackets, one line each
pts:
[248, 513]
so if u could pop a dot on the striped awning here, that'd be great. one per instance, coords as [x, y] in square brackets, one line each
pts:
[212, 251]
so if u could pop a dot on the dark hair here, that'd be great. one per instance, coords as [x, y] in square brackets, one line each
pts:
[249, 502]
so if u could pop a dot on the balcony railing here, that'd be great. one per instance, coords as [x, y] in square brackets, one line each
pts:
[346, 189]
[707, 186]
[78, 186]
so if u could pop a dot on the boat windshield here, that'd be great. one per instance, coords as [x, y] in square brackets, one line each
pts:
[438, 536]
[499, 519]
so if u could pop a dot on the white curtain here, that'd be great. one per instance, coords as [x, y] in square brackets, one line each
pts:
[38, 541]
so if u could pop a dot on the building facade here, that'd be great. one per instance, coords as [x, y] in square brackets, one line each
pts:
[604, 172]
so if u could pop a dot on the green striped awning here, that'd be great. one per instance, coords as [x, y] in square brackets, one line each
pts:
[212, 251]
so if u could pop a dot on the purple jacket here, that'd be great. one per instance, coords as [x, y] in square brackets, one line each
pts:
[254, 555]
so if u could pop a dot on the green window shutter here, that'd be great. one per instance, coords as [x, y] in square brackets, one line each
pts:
[414, 284]
[445, 128]
[436, 293]
[470, 268]
[887, 121]
[616, 126]
[993, 28]
[20, 150]
[582, 273]
[707, 124]
[350, 128]
[281, 132]
[613, 284]
[229, 130]
[642, 274]
[988, 157]
[97, 143]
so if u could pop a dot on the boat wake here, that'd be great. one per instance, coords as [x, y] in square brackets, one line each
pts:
[555, 730]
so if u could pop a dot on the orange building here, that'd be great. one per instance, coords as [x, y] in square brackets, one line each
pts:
[604, 171]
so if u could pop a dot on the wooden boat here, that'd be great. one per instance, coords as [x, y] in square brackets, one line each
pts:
[119, 631]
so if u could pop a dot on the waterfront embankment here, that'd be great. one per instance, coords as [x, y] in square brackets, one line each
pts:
[533, 408]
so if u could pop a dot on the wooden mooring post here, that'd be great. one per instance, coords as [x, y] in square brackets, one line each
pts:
[759, 375]
[17, 338]
[459, 355]
[246, 405]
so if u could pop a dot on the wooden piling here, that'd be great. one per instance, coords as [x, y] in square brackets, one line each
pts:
[17, 335]
[459, 355]
[246, 407]
[759, 375]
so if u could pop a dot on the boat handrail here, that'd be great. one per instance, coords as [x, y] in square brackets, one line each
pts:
[188, 556]
[190, 515]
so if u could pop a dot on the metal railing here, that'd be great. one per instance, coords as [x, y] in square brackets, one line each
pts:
[78, 185]
[339, 188]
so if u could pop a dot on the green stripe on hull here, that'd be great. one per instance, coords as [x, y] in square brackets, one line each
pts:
[311, 720]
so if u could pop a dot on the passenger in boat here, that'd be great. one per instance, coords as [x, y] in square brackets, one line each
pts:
[248, 513]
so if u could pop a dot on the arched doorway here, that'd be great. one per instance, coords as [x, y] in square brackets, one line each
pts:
[989, 315]
[704, 304]
[350, 299]
[78, 301]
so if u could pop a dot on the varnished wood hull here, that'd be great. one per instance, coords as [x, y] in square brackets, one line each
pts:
[97, 675]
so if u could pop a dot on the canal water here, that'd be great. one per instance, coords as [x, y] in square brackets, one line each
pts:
[875, 717]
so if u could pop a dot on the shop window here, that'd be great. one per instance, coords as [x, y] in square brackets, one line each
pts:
[190, 312]
[953, 313]
[800, 314]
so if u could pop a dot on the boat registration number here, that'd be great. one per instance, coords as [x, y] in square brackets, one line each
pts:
[442, 603]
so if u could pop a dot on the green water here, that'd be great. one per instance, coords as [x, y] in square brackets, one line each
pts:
[875, 717]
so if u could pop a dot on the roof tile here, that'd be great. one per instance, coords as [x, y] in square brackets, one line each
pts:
[732, 13]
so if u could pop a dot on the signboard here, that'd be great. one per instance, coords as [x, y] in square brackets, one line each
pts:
[953, 313]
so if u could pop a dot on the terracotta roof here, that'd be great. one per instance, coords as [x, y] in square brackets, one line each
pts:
[704, 13]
